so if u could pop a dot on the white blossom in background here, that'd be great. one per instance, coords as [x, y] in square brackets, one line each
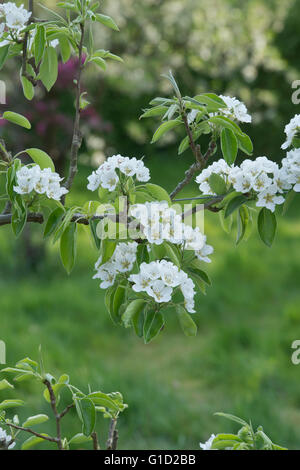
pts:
[14, 20]
[45, 181]
[108, 174]
[122, 261]
[159, 278]
[262, 176]
[235, 109]
[291, 130]
[6, 440]
[207, 445]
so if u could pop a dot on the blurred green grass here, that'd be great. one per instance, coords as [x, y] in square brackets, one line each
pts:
[239, 362]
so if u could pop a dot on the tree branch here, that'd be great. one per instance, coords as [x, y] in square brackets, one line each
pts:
[30, 431]
[188, 177]
[96, 445]
[77, 136]
[55, 412]
[113, 435]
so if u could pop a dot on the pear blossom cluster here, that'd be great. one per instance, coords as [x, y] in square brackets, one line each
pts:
[46, 181]
[13, 21]
[6, 441]
[262, 176]
[108, 177]
[159, 222]
[292, 129]
[122, 261]
[159, 278]
[235, 109]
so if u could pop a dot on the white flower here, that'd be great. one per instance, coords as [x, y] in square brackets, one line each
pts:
[109, 180]
[16, 18]
[269, 198]
[261, 182]
[159, 291]
[6, 440]
[291, 130]
[94, 181]
[41, 181]
[235, 108]
[207, 445]
[203, 254]
[122, 261]
[107, 175]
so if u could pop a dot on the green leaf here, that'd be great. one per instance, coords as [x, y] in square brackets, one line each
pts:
[106, 21]
[49, 68]
[156, 111]
[242, 223]
[229, 146]
[226, 123]
[39, 43]
[171, 252]
[245, 143]
[163, 128]
[11, 404]
[53, 221]
[153, 324]
[102, 399]
[107, 249]
[232, 418]
[288, 201]
[5, 384]
[33, 441]
[266, 224]
[88, 415]
[98, 61]
[68, 247]
[34, 420]
[187, 324]
[16, 119]
[118, 300]
[211, 100]
[28, 88]
[217, 184]
[18, 220]
[79, 439]
[197, 265]
[157, 192]
[41, 158]
[3, 54]
[234, 204]
[65, 48]
[132, 310]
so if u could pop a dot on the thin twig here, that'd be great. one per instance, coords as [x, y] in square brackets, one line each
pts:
[113, 436]
[4, 154]
[25, 48]
[77, 136]
[66, 410]
[96, 445]
[37, 217]
[194, 168]
[30, 431]
[55, 412]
